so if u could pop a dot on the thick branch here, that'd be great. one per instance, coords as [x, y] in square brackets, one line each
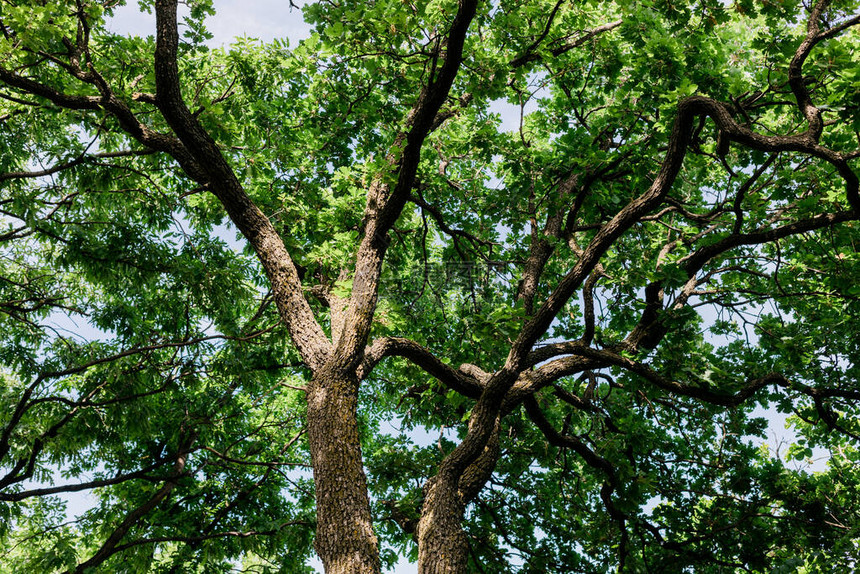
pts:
[306, 333]
[463, 382]
[557, 439]
[630, 214]
[609, 358]
[384, 208]
[696, 260]
[68, 101]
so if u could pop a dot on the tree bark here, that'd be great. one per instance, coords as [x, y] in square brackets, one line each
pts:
[442, 544]
[344, 541]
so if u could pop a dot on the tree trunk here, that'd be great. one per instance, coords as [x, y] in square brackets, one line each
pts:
[442, 545]
[344, 541]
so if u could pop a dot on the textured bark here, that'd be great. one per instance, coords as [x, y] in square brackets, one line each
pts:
[542, 248]
[442, 544]
[209, 168]
[385, 202]
[344, 541]
[440, 512]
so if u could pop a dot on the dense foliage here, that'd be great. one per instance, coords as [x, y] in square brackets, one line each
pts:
[565, 340]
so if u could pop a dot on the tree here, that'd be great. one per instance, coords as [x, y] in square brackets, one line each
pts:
[587, 310]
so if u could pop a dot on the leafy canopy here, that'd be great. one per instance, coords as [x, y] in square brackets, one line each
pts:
[144, 361]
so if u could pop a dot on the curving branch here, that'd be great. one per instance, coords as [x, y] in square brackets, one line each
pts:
[142, 474]
[487, 408]
[61, 99]
[688, 109]
[23, 468]
[591, 458]
[465, 380]
[453, 233]
[697, 259]
[197, 539]
[82, 159]
[530, 54]
[541, 247]
[608, 358]
[560, 440]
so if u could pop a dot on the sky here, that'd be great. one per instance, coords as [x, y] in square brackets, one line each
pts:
[261, 19]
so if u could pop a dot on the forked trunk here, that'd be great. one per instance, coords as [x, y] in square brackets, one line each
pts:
[344, 541]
